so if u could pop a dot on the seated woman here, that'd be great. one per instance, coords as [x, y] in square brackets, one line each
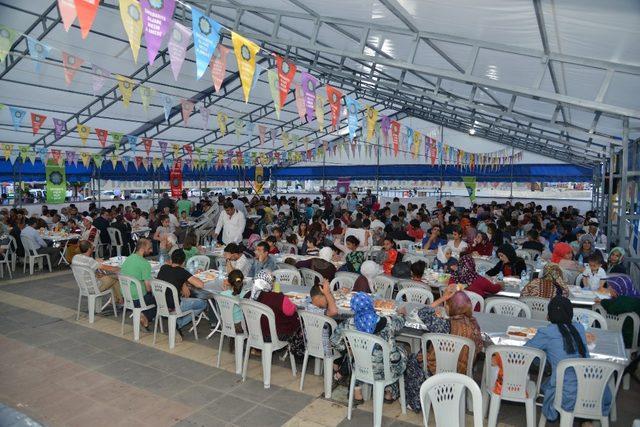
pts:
[460, 323]
[625, 298]
[466, 274]
[563, 256]
[337, 230]
[417, 270]
[510, 264]
[190, 246]
[272, 242]
[251, 234]
[586, 249]
[286, 315]
[457, 245]
[442, 257]
[390, 255]
[563, 339]
[386, 327]
[550, 284]
[310, 246]
[368, 271]
[354, 258]
[614, 262]
[480, 246]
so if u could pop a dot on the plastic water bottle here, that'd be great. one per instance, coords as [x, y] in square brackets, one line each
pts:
[161, 259]
[523, 278]
[500, 277]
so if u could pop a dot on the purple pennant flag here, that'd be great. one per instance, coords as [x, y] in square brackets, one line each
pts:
[98, 78]
[59, 126]
[309, 85]
[72, 158]
[178, 42]
[272, 134]
[385, 124]
[156, 19]
[163, 147]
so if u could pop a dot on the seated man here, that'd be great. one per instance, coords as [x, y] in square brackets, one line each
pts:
[38, 242]
[263, 261]
[137, 267]
[236, 260]
[533, 242]
[174, 272]
[105, 280]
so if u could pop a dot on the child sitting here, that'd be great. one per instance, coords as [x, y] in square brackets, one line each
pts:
[593, 277]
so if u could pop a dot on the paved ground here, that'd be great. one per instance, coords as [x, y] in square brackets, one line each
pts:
[64, 372]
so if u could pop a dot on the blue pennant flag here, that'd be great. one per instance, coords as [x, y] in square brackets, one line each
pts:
[17, 116]
[353, 108]
[206, 35]
[38, 51]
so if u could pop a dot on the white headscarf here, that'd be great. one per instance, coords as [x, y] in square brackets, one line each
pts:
[442, 253]
[370, 269]
[263, 282]
[326, 254]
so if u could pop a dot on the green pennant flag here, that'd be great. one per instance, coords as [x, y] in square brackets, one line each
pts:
[470, 184]
[56, 184]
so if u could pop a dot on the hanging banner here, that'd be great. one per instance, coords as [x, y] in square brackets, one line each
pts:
[219, 65]
[335, 99]
[163, 147]
[7, 38]
[372, 118]
[385, 124]
[85, 158]
[245, 51]
[116, 137]
[272, 136]
[167, 105]
[176, 150]
[125, 85]
[204, 115]
[17, 116]
[38, 51]
[258, 180]
[272, 77]
[67, 10]
[83, 131]
[470, 184]
[206, 35]
[187, 109]
[222, 122]
[59, 127]
[86, 10]
[102, 136]
[177, 46]
[146, 93]
[114, 160]
[300, 103]
[415, 147]
[395, 136]
[309, 85]
[36, 122]
[131, 15]
[97, 160]
[156, 17]
[56, 185]
[98, 78]
[6, 150]
[24, 153]
[320, 111]
[286, 73]
[353, 107]
[188, 150]
[71, 64]
[175, 180]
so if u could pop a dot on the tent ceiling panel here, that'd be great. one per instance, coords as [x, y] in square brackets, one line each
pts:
[333, 37]
[541, 109]
[625, 90]
[426, 55]
[458, 53]
[581, 82]
[359, 10]
[517, 69]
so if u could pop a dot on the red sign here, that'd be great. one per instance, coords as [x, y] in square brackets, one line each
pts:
[175, 180]
[286, 73]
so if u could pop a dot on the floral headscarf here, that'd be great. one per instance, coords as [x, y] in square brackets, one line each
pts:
[548, 285]
[442, 253]
[263, 282]
[466, 270]
[365, 317]
[587, 238]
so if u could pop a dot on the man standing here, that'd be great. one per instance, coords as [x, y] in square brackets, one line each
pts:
[38, 242]
[137, 267]
[102, 223]
[263, 261]
[105, 280]
[184, 205]
[232, 223]
[238, 204]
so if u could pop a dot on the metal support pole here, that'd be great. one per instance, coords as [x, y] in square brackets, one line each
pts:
[15, 193]
[622, 194]
[511, 178]
[324, 157]
[610, 234]
[378, 172]
[99, 186]
[442, 165]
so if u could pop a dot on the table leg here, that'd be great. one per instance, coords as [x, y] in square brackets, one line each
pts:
[218, 324]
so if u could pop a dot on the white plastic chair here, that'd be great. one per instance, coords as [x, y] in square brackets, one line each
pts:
[446, 393]
[483, 264]
[159, 289]
[9, 257]
[287, 277]
[361, 346]
[525, 255]
[125, 287]
[447, 349]
[538, 307]
[288, 249]
[476, 300]
[313, 326]
[116, 240]
[254, 311]
[309, 277]
[225, 306]
[589, 318]
[516, 385]
[100, 247]
[406, 245]
[88, 286]
[383, 286]
[415, 295]
[31, 255]
[344, 280]
[593, 376]
[570, 276]
[507, 307]
[198, 262]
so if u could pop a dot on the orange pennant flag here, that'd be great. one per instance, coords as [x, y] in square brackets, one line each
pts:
[71, 64]
[36, 122]
[86, 10]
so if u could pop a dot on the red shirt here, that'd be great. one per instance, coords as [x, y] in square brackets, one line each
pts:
[274, 250]
[416, 233]
[483, 287]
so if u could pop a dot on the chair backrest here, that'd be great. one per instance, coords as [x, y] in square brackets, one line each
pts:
[86, 279]
[198, 262]
[507, 307]
[360, 234]
[406, 245]
[405, 284]
[376, 256]
[125, 286]
[28, 245]
[287, 277]
[615, 323]
[533, 254]
[343, 281]
[383, 286]
[593, 376]
[309, 277]
[447, 349]
[313, 325]
[476, 301]
[525, 255]
[115, 236]
[516, 362]
[446, 393]
[285, 266]
[589, 318]
[253, 312]
[159, 289]
[12, 248]
[570, 276]
[288, 249]
[538, 307]
[225, 306]
[362, 345]
[417, 295]
[349, 274]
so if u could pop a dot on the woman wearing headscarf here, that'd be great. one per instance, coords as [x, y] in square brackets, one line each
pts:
[550, 284]
[386, 327]
[562, 339]
[510, 264]
[460, 322]
[466, 274]
[563, 256]
[286, 316]
[480, 246]
[625, 298]
[586, 249]
[368, 271]
[443, 256]
[614, 261]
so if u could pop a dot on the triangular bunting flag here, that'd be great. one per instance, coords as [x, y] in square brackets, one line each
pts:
[219, 65]
[59, 127]
[156, 18]
[146, 93]
[177, 46]
[131, 15]
[187, 109]
[245, 51]
[38, 51]
[206, 35]
[36, 122]
[17, 116]
[71, 64]
[102, 136]
[67, 9]
[125, 85]
[83, 131]
[86, 10]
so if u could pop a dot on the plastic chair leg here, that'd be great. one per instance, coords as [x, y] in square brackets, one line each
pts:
[267, 354]
[317, 366]
[155, 329]
[171, 326]
[79, 303]
[352, 386]
[543, 421]
[113, 302]
[124, 312]
[220, 349]
[239, 345]
[136, 324]
[193, 322]
[91, 303]
[494, 408]
[626, 382]
[604, 422]
[378, 398]
[245, 365]
[566, 419]
[48, 258]
[304, 369]
[328, 376]
[293, 363]
[530, 407]
[403, 397]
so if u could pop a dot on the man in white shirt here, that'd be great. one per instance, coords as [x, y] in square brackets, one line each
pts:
[38, 242]
[236, 260]
[232, 223]
[238, 204]
[138, 221]
[105, 281]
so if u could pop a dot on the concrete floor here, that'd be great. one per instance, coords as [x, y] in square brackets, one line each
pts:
[63, 372]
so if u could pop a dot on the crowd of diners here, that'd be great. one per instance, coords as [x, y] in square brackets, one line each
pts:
[253, 230]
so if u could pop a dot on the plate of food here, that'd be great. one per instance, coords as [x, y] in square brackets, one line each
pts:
[521, 332]
[384, 306]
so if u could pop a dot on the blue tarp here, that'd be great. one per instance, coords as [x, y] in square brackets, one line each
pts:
[28, 172]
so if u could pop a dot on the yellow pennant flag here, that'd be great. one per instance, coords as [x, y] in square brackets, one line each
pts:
[320, 111]
[7, 149]
[86, 158]
[176, 150]
[372, 118]
[83, 131]
[245, 51]
[114, 159]
[125, 85]
[222, 122]
[285, 140]
[156, 162]
[146, 93]
[417, 139]
[131, 15]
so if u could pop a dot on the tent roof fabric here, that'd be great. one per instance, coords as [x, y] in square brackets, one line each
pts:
[558, 79]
